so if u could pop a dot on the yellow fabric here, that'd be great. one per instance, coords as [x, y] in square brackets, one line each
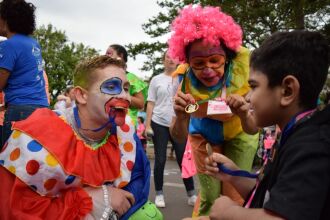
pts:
[240, 75]
[180, 70]
[232, 127]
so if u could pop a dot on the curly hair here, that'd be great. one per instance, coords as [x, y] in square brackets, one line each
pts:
[19, 16]
[83, 73]
[208, 24]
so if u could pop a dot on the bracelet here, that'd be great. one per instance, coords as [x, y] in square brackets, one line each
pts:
[108, 208]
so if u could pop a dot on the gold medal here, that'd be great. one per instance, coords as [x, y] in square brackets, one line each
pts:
[191, 108]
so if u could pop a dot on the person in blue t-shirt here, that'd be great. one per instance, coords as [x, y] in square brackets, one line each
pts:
[21, 69]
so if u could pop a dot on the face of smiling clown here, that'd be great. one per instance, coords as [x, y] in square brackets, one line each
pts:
[207, 62]
[108, 95]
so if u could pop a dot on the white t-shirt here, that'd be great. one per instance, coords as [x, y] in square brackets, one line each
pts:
[161, 93]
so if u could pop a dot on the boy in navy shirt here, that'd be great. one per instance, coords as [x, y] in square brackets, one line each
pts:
[287, 74]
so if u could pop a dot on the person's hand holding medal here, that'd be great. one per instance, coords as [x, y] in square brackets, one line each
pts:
[184, 104]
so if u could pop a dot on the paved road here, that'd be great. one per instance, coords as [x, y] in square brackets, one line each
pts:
[175, 193]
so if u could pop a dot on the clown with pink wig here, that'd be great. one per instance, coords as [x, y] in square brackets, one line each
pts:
[210, 105]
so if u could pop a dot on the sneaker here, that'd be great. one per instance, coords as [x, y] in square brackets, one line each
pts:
[159, 201]
[192, 200]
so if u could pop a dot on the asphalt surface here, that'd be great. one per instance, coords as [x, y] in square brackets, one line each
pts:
[174, 192]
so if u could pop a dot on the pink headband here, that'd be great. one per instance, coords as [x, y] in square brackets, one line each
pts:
[209, 24]
[210, 52]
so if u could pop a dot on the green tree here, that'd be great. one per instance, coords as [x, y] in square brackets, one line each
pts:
[61, 57]
[258, 19]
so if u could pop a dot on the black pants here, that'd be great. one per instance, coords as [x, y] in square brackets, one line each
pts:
[160, 139]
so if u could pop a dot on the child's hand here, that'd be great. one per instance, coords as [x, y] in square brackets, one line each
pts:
[212, 167]
[220, 207]
[121, 200]
[238, 105]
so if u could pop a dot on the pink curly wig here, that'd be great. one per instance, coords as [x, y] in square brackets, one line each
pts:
[209, 24]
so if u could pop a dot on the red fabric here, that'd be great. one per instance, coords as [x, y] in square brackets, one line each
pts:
[19, 202]
[94, 167]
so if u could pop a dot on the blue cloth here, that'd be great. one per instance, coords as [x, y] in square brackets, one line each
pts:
[21, 56]
[211, 130]
[140, 180]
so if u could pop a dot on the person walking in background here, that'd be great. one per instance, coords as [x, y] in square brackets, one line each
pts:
[141, 128]
[65, 100]
[138, 89]
[159, 116]
[21, 68]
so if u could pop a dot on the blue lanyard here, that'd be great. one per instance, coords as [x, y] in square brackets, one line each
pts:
[110, 121]
[288, 129]
[224, 169]
[285, 134]
[241, 173]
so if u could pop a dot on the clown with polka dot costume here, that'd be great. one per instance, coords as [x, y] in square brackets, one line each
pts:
[83, 163]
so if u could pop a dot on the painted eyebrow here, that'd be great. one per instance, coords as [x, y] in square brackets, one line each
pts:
[252, 81]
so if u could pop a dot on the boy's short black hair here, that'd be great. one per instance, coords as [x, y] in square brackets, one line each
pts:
[121, 51]
[303, 54]
[19, 16]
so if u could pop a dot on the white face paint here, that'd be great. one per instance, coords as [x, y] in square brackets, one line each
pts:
[108, 95]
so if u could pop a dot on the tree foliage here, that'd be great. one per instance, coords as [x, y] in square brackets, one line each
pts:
[61, 57]
[258, 19]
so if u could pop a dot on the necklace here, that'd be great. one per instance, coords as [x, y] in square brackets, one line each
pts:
[93, 143]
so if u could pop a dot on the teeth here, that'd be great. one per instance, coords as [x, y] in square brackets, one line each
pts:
[119, 107]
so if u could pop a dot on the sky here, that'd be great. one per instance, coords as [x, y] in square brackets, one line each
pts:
[99, 23]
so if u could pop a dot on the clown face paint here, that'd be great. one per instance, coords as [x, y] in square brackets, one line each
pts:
[108, 95]
[207, 62]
